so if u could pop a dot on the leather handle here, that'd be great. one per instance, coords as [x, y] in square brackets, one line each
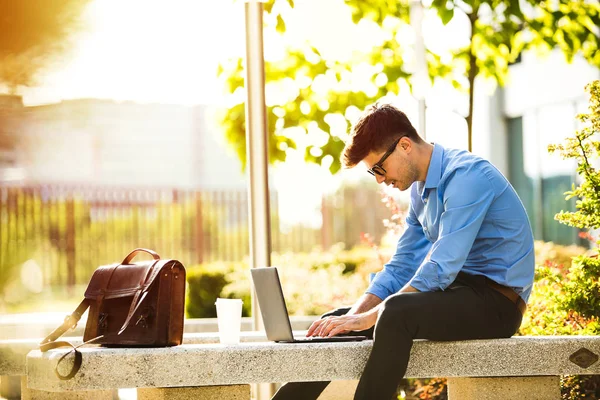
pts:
[131, 255]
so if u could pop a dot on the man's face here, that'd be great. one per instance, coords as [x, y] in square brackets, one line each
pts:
[397, 169]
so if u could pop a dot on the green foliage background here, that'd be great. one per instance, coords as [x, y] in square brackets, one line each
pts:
[499, 31]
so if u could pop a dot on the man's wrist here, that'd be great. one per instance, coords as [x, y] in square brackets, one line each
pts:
[366, 302]
[371, 316]
[409, 289]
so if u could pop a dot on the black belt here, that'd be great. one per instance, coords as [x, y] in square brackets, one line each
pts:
[508, 293]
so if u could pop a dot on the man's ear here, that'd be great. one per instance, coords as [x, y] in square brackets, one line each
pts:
[405, 144]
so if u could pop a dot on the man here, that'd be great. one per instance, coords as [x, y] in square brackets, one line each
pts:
[463, 268]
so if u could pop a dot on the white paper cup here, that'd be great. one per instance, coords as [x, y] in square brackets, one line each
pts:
[229, 319]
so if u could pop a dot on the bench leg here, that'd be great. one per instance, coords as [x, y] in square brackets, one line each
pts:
[10, 387]
[339, 390]
[32, 394]
[229, 392]
[502, 388]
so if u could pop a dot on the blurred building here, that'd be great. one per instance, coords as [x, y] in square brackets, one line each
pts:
[102, 142]
[125, 158]
[514, 127]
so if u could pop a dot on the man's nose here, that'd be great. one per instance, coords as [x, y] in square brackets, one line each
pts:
[380, 178]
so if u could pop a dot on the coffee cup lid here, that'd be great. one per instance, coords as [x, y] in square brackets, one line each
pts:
[220, 299]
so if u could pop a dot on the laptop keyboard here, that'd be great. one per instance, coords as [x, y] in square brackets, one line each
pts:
[309, 338]
[329, 339]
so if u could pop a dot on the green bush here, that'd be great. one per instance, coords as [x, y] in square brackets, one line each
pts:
[313, 283]
[205, 283]
[582, 289]
[549, 310]
[564, 301]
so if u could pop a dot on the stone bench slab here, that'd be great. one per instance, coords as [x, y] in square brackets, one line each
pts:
[215, 364]
[13, 353]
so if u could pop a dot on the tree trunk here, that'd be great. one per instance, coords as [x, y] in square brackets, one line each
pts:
[472, 71]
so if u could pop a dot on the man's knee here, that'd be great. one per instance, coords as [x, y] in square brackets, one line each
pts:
[337, 312]
[395, 312]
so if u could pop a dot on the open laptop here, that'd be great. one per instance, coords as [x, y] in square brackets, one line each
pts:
[274, 311]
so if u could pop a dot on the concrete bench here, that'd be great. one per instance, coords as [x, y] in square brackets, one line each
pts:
[515, 368]
[13, 356]
[13, 353]
[30, 328]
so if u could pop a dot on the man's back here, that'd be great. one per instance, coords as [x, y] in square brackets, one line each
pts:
[502, 244]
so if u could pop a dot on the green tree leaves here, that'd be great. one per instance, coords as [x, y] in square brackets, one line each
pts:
[321, 88]
[445, 9]
[584, 148]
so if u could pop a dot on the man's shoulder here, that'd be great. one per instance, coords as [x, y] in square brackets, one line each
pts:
[461, 160]
[452, 155]
[470, 169]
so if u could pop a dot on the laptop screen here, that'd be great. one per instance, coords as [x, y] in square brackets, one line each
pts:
[272, 303]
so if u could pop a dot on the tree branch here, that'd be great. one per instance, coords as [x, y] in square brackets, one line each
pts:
[587, 166]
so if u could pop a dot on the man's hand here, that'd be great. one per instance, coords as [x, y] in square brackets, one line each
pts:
[331, 326]
[355, 320]
[361, 316]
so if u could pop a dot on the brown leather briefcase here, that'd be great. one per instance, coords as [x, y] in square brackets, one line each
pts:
[137, 304]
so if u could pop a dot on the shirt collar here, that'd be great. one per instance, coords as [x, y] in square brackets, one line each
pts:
[434, 172]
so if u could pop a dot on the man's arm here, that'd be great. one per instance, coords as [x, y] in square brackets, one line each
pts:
[411, 250]
[361, 316]
[365, 303]
[467, 199]
[369, 301]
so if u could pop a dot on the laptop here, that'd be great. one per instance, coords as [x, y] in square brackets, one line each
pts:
[274, 311]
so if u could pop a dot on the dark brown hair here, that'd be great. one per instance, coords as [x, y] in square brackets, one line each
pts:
[375, 131]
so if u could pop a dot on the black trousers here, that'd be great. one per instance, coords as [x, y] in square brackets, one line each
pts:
[468, 309]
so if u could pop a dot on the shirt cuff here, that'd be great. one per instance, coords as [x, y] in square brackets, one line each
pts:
[420, 284]
[379, 291]
[426, 278]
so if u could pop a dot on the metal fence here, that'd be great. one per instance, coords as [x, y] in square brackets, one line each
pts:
[68, 230]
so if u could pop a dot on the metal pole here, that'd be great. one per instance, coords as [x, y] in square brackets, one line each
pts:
[257, 159]
[422, 118]
[421, 78]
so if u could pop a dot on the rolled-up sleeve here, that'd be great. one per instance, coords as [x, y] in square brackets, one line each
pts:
[410, 252]
[466, 200]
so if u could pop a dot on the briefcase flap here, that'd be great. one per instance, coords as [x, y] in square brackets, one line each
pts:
[119, 280]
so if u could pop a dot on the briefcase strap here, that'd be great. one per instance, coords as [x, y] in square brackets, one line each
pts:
[50, 342]
[69, 323]
[76, 362]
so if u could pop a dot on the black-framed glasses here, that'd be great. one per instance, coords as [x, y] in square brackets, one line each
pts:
[377, 168]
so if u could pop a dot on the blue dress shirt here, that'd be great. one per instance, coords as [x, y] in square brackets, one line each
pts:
[465, 217]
